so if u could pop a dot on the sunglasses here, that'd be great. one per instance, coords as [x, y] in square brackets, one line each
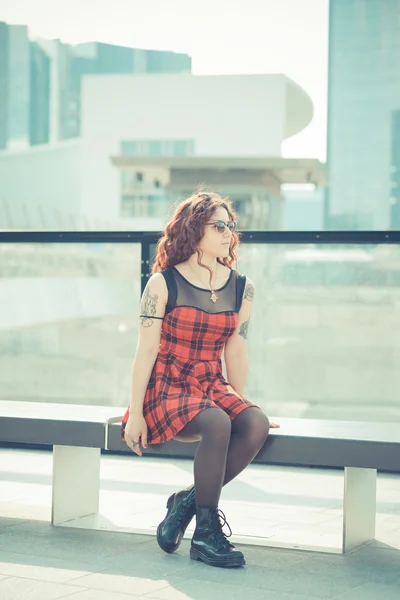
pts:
[220, 226]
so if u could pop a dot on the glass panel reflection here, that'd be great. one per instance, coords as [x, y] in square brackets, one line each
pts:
[325, 333]
[68, 321]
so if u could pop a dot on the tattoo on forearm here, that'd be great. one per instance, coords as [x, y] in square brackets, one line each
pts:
[148, 308]
[244, 328]
[249, 292]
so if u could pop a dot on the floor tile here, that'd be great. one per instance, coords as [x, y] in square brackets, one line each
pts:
[44, 569]
[14, 588]
[100, 595]
[205, 590]
[371, 591]
[136, 585]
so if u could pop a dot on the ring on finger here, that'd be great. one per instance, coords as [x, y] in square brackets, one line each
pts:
[134, 443]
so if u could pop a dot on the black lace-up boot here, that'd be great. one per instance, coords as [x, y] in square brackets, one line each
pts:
[181, 508]
[210, 544]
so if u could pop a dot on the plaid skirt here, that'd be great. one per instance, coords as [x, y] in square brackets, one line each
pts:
[187, 376]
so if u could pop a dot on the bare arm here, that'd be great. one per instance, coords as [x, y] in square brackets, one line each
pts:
[152, 310]
[236, 351]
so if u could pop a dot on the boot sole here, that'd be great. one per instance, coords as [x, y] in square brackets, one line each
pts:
[227, 564]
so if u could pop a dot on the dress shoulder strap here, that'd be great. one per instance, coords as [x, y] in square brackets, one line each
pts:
[240, 285]
[172, 289]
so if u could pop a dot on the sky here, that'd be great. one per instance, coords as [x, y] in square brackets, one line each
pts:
[222, 36]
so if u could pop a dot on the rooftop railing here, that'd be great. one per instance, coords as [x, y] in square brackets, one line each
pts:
[324, 338]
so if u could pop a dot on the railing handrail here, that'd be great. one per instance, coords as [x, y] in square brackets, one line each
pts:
[247, 236]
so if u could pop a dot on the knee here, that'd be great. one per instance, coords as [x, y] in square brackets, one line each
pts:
[263, 424]
[256, 425]
[218, 425]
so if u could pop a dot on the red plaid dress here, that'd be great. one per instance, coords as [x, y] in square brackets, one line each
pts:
[187, 375]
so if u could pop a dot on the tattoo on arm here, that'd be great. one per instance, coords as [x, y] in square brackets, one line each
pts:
[249, 292]
[244, 328]
[148, 308]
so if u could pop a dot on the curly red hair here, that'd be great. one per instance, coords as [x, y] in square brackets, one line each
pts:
[182, 234]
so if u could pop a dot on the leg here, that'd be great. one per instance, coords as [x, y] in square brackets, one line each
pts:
[76, 483]
[213, 427]
[209, 543]
[249, 432]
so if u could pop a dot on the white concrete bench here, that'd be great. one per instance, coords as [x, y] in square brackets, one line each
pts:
[78, 433]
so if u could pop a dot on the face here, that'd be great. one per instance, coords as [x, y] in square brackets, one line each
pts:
[214, 243]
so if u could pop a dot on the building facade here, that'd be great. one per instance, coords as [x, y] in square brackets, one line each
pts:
[15, 73]
[105, 59]
[39, 105]
[41, 81]
[395, 172]
[150, 140]
[304, 208]
[364, 91]
[25, 80]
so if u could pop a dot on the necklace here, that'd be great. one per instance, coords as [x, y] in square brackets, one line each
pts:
[213, 296]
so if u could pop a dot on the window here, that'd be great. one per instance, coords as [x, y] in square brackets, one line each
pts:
[182, 147]
[157, 147]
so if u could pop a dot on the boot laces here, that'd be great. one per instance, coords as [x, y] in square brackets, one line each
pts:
[182, 511]
[220, 522]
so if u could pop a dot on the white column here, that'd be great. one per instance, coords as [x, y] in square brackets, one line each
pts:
[359, 507]
[76, 483]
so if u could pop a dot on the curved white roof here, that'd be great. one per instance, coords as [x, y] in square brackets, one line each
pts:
[299, 108]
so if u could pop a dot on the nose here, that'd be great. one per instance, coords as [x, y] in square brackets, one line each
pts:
[227, 232]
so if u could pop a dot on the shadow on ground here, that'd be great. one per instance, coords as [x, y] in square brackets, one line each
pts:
[41, 561]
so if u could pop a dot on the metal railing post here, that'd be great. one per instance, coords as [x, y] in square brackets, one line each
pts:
[145, 267]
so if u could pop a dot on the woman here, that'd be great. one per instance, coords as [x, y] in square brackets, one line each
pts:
[194, 307]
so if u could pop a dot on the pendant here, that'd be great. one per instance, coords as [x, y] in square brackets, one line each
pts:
[213, 297]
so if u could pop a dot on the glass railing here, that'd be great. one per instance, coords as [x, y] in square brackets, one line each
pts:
[68, 321]
[324, 337]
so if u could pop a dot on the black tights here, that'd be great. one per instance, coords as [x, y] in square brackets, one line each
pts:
[225, 448]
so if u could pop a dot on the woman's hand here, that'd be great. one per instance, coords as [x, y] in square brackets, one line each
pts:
[274, 425]
[136, 433]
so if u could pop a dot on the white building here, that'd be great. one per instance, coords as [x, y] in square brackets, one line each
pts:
[148, 139]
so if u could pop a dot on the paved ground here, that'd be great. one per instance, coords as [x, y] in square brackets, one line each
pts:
[40, 562]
